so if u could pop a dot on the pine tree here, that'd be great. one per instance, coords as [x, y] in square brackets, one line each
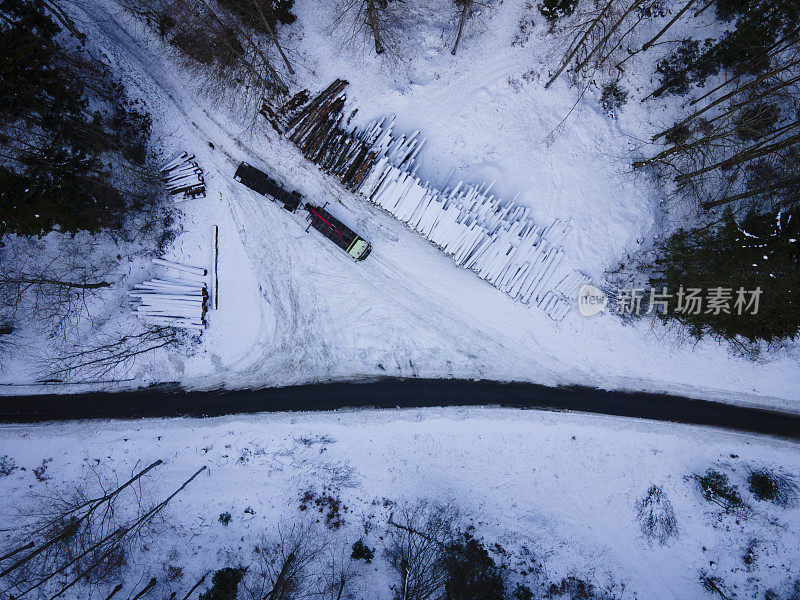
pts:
[225, 585]
[54, 176]
[472, 573]
[552, 10]
[761, 252]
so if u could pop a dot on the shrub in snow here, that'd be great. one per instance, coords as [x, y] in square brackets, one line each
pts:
[772, 487]
[552, 10]
[40, 472]
[572, 587]
[362, 552]
[225, 584]
[713, 584]
[7, 466]
[656, 517]
[326, 503]
[522, 592]
[717, 489]
[613, 98]
[750, 556]
[225, 518]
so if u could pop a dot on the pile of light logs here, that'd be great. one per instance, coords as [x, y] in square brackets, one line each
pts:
[175, 301]
[184, 178]
[495, 238]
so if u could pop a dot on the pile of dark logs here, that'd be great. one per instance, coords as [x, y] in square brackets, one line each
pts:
[177, 300]
[318, 127]
[184, 178]
[495, 238]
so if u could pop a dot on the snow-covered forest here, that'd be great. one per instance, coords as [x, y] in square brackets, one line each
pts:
[648, 148]
[259, 193]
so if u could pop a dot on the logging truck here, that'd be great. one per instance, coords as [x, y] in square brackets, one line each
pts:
[337, 232]
[319, 218]
[262, 183]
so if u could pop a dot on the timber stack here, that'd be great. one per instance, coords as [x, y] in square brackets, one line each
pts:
[183, 178]
[318, 127]
[178, 300]
[495, 238]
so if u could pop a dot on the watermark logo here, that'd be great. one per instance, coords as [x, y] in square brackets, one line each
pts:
[591, 300]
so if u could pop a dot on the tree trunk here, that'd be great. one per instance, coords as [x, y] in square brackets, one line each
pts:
[742, 157]
[372, 20]
[668, 25]
[750, 193]
[466, 6]
[147, 588]
[62, 18]
[775, 46]
[194, 587]
[707, 139]
[271, 33]
[579, 44]
[43, 281]
[721, 99]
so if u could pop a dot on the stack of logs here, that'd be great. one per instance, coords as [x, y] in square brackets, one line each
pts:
[184, 178]
[318, 127]
[495, 238]
[178, 300]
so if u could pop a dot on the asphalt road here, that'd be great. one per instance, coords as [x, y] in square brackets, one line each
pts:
[391, 393]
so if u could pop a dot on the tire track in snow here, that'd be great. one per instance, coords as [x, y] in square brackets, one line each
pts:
[312, 321]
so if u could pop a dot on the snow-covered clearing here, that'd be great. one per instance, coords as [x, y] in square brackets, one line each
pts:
[294, 308]
[554, 490]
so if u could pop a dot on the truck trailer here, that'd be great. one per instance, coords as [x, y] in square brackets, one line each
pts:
[320, 219]
[266, 186]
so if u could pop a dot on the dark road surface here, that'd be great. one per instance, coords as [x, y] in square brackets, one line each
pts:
[391, 393]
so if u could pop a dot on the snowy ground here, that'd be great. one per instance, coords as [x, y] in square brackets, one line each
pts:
[554, 490]
[293, 308]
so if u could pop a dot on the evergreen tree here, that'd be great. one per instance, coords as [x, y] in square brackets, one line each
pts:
[254, 13]
[760, 253]
[471, 573]
[54, 175]
[552, 10]
[225, 585]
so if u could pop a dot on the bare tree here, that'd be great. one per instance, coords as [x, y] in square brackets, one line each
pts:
[336, 575]
[78, 534]
[579, 42]
[110, 356]
[54, 284]
[284, 568]
[415, 547]
[371, 18]
[465, 8]
[227, 55]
